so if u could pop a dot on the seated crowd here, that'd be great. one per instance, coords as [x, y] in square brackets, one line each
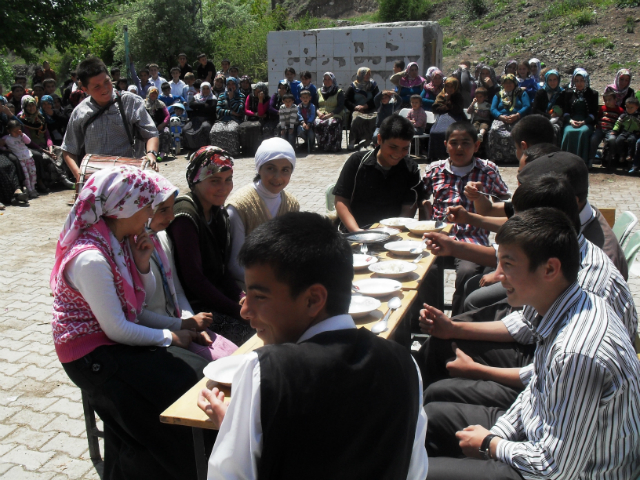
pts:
[533, 376]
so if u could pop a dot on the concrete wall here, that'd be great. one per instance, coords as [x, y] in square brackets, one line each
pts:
[344, 50]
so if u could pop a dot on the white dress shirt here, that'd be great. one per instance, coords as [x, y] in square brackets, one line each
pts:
[238, 447]
[157, 82]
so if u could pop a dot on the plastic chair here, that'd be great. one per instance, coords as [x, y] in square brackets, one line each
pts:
[631, 248]
[623, 226]
[330, 198]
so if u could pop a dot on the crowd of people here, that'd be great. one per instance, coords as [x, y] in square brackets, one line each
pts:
[533, 376]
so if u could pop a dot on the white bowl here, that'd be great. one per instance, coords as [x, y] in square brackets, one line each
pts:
[363, 261]
[377, 287]
[404, 247]
[361, 306]
[393, 268]
[223, 369]
[397, 222]
[422, 227]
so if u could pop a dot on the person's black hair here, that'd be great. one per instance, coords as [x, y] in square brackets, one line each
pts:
[202, 55]
[89, 68]
[632, 100]
[174, 69]
[549, 190]
[465, 127]
[305, 92]
[305, 74]
[38, 85]
[532, 129]
[48, 80]
[290, 70]
[114, 70]
[288, 96]
[233, 67]
[20, 77]
[526, 64]
[539, 150]
[197, 83]
[165, 84]
[395, 126]
[123, 80]
[73, 73]
[11, 124]
[16, 86]
[399, 64]
[544, 233]
[226, 60]
[145, 70]
[416, 97]
[303, 249]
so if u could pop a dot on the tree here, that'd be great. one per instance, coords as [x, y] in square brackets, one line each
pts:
[404, 10]
[30, 27]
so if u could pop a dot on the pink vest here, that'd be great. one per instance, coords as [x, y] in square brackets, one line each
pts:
[76, 331]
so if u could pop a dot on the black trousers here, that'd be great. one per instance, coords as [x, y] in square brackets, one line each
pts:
[472, 392]
[129, 387]
[446, 460]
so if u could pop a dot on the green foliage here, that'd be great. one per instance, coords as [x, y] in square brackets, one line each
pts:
[102, 42]
[6, 72]
[590, 53]
[560, 8]
[475, 8]
[404, 10]
[545, 27]
[630, 24]
[453, 46]
[30, 27]
[580, 37]
[445, 21]
[614, 67]
[628, 3]
[583, 18]
[488, 25]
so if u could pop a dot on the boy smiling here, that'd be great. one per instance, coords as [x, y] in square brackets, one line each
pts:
[284, 420]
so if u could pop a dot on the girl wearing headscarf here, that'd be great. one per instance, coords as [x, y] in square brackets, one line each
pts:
[449, 105]
[330, 114]
[580, 110]
[201, 236]
[511, 67]
[219, 85]
[432, 88]
[526, 82]
[359, 100]
[536, 67]
[549, 102]
[130, 373]
[621, 86]
[487, 79]
[48, 170]
[230, 112]
[161, 116]
[409, 83]
[245, 85]
[263, 199]
[202, 116]
[507, 108]
[56, 123]
[428, 76]
[257, 126]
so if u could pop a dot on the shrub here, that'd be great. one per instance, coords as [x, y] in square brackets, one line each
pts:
[403, 10]
[630, 24]
[475, 8]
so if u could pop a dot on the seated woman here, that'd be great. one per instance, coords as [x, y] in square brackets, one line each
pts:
[201, 118]
[487, 79]
[329, 115]
[549, 102]
[230, 113]
[449, 105]
[219, 85]
[48, 164]
[11, 174]
[160, 115]
[202, 240]
[257, 109]
[431, 89]
[509, 106]
[359, 100]
[130, 373]
[510, 68]
[409, 83]
[167, 305]
[245, 86]
[580, 110]
[263, 199]
[526, 82]
[55, 120]
[621, 86]
[535, 67]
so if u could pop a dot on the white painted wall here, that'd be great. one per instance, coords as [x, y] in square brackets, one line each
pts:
[344, 50]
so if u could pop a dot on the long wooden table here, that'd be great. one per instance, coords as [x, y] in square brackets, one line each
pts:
[185, 410]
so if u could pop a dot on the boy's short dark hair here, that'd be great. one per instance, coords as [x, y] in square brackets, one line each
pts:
[416, 97]
[482, 91]
[202, 55]
[290, 70]
[532, 129]
[466, 62]
[632, 101]
[305, 74]
[189, 76]
[73, 73]
[465, 127]
[47, 81]
[114, 70]
[304, 249]
[399, 64]
[182, 55]
[544, 233]
[305, 92]
[174, 69]
[197, 83]
[539, 150]
[225, 60]
[89, 68]
[20, 77]
[38, 85]
[395, 126]
[233, 67]
[11, 124]
[564, 163]
[123, 80]
[165, 85]
[288, 96]
[16, 87]
[608, 92]
[549, 190]
[145, 70]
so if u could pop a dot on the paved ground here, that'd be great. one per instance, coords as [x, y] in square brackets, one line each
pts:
[42, 432]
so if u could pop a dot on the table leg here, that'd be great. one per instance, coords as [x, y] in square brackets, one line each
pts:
[201, 459]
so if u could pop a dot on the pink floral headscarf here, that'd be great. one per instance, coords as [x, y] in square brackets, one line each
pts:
[406, 81]
[115, 192]
[615, 86]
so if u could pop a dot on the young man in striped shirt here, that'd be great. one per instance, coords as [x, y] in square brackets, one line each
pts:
[579, 415]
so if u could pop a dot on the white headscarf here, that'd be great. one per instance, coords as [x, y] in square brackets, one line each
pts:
[199, 98]
[273, 149]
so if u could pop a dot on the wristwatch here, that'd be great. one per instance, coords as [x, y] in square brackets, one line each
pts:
[485, 451]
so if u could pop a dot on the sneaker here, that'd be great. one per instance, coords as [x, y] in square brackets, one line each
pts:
[634, 170]
[2, 207]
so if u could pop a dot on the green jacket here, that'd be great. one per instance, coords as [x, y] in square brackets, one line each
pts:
[627, 123]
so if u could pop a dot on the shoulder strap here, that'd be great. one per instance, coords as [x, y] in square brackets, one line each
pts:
[125, 121]
[95, 116]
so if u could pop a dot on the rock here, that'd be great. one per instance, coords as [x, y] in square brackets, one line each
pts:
[452, 44]
[636, 44]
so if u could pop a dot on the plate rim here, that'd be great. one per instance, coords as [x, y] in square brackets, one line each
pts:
[413, 267]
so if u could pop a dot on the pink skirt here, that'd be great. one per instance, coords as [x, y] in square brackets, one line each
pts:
[221, 347]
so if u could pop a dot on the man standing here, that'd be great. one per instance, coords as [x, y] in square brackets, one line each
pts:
[97, 125]
[206, 69]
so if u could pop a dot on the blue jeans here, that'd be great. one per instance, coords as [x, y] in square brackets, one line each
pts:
[307, 135]
[289, 136]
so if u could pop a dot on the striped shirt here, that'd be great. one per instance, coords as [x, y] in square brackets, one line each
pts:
[579, 417]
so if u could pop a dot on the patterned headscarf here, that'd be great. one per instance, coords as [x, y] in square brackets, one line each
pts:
[509, 64]
[406, 81]
[492, 75]
[46, 99]
[334, 84]
[509, 98]
[205, 162]
[360, 83]
[153, 105]
[615, 86]
[34, 122]
[535, 61]
[429, 73]
[583, 73]
[114, 192]
[430, 87]
[199, 98]
[555, 92]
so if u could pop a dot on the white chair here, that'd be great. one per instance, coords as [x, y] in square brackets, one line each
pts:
[330, 198]
[403, 113]
[623, 226]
